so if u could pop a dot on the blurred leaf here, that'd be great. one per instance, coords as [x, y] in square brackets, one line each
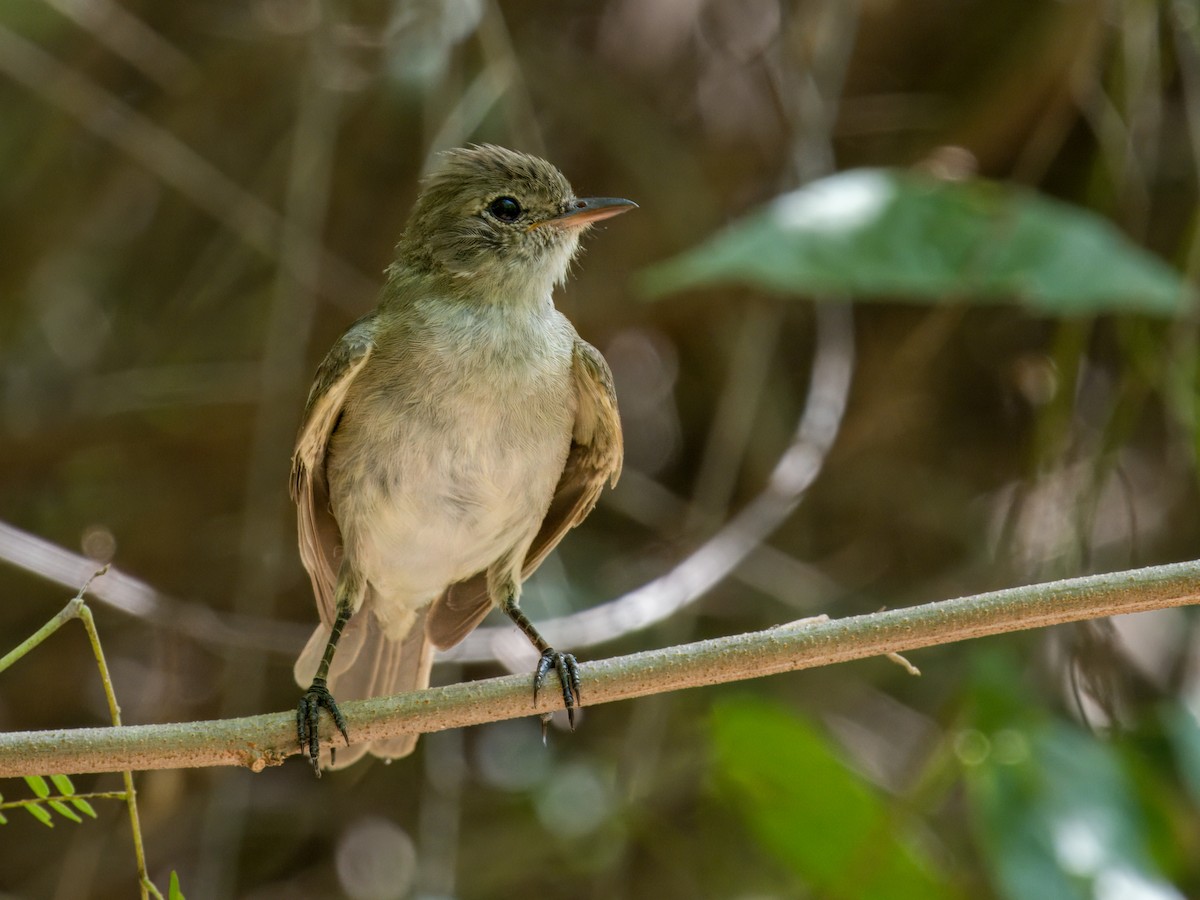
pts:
[1057, 811]
[64, 785]
[83, 806]
[810, 811]
[173, 890]
[1184, 733]
[879, 234]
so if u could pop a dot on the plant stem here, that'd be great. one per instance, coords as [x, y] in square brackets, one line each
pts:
[77, 608]
[64, 798]
[114, 710]
[64, 615]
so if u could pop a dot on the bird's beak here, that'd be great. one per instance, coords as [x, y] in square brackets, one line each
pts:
[586, 211]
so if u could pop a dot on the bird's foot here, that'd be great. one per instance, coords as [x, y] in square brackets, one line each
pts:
[308, 721]
[568, 676]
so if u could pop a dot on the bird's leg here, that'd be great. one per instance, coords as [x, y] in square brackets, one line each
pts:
[308, 712]
[563, 663]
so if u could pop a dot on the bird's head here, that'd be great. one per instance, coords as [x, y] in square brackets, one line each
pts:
[499, 223]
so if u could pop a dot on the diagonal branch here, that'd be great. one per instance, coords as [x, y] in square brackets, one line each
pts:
[259, 741]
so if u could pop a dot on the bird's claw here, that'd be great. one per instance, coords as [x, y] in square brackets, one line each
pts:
[308, 721]
[568, 676]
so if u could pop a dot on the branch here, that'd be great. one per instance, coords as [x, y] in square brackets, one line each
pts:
[259, 741]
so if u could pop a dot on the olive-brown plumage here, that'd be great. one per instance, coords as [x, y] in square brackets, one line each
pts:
[451, 437]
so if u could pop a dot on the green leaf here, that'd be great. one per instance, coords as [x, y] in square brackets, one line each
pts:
[3, 819]
[63, 783]
[83, 806]
[65, 811]
[173, 891]
[38, 813]
[811, 812]
[1056, 809]
[879, 234]
[1184, 733]
[38, 785]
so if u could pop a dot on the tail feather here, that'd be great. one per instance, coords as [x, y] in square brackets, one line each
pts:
[354, 636]
[369, 664]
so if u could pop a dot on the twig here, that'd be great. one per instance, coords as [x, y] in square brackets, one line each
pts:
[64, 798]
[259, 741]
[114, 710]
[77, 608]
[64, 615]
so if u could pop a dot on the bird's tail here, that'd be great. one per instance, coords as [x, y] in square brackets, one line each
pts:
[368, 663]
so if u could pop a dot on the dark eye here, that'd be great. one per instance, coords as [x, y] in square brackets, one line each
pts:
[506, 209]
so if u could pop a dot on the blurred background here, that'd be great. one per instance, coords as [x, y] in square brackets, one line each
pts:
[198, 198]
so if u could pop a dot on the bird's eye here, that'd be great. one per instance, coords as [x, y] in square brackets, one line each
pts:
[506, 209]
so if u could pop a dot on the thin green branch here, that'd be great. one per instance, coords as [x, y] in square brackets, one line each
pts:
[77, 608]
[66, 614]
[114, 710]
[64, 798]
[259, 741]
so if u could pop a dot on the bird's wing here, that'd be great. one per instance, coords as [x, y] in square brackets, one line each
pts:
[320, 540]
[595, 457]
[458, 610]
[597, 451]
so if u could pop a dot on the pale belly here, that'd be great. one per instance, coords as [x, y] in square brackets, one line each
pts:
[442, 474]
[436, 517]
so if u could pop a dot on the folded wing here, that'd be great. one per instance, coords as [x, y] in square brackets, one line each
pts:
[320, 540]
[595, 457]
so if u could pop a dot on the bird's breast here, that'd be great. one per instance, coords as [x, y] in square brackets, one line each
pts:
[449, 448]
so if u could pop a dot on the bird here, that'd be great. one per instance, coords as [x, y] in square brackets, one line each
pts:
[451, 438]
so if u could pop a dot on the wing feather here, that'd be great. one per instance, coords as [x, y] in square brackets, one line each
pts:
[595, 457]
[457, 611]
[320, 540]
[597, 452]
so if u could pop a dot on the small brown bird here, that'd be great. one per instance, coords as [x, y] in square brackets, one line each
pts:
[451, 438]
